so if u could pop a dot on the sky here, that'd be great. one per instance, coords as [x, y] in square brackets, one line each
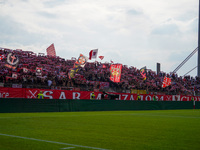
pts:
[131, 32]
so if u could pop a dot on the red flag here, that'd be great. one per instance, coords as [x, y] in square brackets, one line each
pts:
[104, 66]
[51, 50]
[111, 61]
[2, 57]
[93, 54]
[101, 57]
[115, 72]
[166, 82]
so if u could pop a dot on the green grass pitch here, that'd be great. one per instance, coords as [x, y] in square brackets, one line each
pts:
[102, 130]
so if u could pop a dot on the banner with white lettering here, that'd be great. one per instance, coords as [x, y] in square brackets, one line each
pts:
[65, 94]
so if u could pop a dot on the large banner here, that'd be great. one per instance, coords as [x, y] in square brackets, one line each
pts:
[12, 61]
[143, 72]
[64, 94]
[115, 72]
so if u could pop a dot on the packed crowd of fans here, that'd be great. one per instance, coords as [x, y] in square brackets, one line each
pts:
[55, 75]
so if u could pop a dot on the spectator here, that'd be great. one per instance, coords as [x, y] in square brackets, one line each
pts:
[92, 96]
[40, 95]
[49, 83]
[138, 97]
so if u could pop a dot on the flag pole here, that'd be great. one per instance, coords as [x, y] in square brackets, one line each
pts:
[198, 57]
[97, 55]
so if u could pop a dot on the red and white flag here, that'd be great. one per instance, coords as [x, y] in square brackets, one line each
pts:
[51, 50]
[101, 57]
[93, 54]
[14, 76]
[38, 71]
[166, 82]
[2, 57]
[25, 70]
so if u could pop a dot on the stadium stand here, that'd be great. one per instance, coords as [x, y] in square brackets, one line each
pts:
[94, 76]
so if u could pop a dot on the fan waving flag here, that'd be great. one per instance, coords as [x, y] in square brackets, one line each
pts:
[166, 82]
[93, 54]
[51, 50]
[82, 60]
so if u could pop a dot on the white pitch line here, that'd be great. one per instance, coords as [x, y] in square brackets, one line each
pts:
[54, 142]
[68, 148]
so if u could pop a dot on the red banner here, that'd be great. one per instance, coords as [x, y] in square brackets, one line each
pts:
[51, 50]
[115, 72]
[64, 94]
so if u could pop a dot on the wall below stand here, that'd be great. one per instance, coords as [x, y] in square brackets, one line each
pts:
[12, 105]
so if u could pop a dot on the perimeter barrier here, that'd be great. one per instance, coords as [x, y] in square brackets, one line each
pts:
[13, 105]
